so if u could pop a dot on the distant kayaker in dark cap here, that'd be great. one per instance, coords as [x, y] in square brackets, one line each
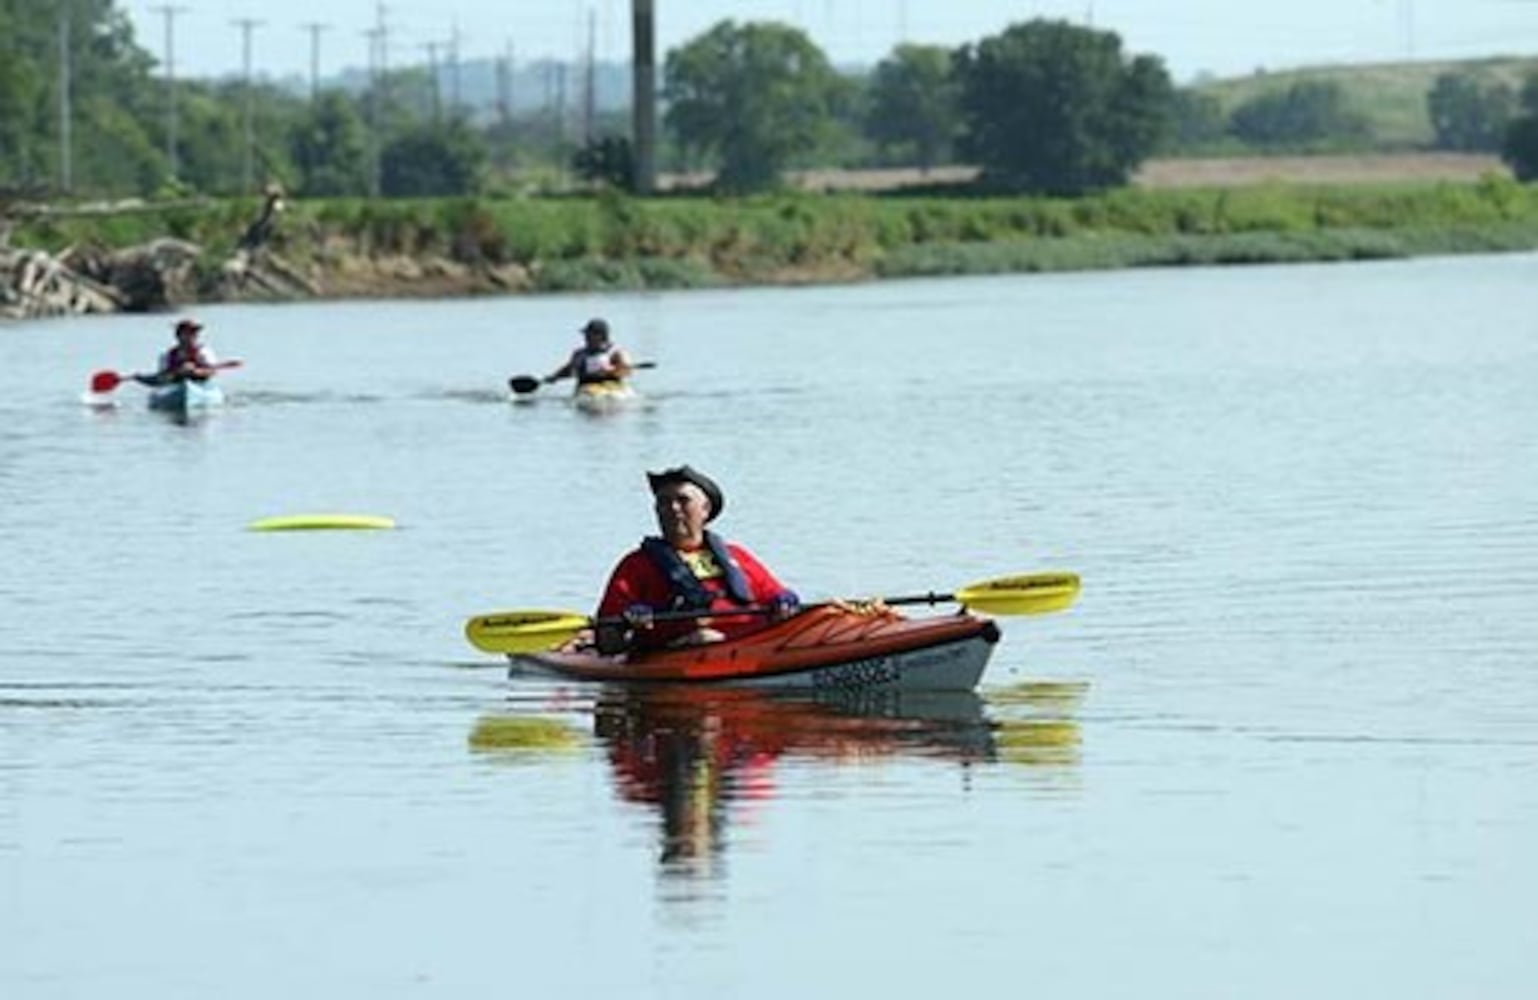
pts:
[597, 360]
[687, 568]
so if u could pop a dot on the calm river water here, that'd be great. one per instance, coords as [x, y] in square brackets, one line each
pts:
[1285, 745]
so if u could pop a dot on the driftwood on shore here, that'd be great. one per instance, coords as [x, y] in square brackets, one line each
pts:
[262, 274]
[159, 274]
[35, 283]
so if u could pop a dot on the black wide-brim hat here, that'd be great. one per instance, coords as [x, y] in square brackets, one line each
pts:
[686, 474]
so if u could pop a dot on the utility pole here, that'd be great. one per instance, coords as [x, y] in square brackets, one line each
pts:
[434, 92]
[643, 18]
[314, 28]
[590, 81]
[454, 71]
[562, 71]
[247, 174]
[373, 35]
[382, 42]
[505, 90]
[169, 12]
[66, 164]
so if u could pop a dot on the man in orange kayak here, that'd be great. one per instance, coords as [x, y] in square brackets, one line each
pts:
[687, 568]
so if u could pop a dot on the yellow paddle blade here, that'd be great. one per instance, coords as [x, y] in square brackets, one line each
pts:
[523, 631]
[322, 522]
[523, 734]
[1031, 594]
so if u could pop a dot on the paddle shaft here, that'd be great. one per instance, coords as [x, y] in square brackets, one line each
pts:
[107, 381]
[749, 610]
[523, 631]
[525, 384]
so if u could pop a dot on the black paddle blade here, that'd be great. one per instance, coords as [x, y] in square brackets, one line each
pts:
[523, 384]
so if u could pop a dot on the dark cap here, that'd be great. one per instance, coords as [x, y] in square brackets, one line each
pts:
[597, 326]
[685, 474]
[188, 326]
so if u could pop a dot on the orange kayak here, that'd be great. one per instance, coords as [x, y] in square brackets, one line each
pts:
[822, 648]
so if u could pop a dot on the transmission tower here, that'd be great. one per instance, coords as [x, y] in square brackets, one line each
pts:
[315, 28]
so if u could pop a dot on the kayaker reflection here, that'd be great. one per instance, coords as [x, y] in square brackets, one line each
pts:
[704, 755]
[691, 762]
[598, 360]
[687, 568]
[189, 359]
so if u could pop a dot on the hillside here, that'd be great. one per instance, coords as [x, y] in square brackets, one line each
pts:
[1391, 95]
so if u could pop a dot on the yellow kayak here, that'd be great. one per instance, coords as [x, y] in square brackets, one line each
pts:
[601, 397]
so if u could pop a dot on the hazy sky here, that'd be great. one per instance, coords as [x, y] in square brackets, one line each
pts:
[1225, 37]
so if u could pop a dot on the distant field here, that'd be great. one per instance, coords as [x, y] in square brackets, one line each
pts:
[1392, 96]
[1365, 168]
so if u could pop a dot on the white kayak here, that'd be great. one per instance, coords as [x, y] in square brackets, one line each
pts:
[186, 396]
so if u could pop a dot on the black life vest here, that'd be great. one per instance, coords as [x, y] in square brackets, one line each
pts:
[689, 591]
[579, 366]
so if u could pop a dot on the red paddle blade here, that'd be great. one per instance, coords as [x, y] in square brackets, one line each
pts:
[105, 381]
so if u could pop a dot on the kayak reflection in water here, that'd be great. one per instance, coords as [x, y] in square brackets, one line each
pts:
[695, 752]
[687, 568]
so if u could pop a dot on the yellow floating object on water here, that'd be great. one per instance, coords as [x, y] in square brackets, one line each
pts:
[322, 522]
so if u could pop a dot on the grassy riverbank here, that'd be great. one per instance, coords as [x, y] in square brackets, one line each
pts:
[353, 247]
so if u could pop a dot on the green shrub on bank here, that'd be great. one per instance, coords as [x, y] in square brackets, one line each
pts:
[1087, 252]
[599, 274]
[613, 241]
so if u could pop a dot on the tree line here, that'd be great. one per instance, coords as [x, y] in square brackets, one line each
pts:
[1469, 113]
[1044, 106]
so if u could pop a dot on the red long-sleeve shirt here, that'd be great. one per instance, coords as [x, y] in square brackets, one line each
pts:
[637, 579]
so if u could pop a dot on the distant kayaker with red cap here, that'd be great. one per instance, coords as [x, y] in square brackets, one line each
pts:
[190, 358]
[687, 568]
[597, 360]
